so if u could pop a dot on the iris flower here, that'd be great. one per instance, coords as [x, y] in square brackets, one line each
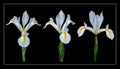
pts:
[23, 40]
[61, 26]
[96, 22]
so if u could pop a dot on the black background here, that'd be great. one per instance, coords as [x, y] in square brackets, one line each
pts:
[44, 43]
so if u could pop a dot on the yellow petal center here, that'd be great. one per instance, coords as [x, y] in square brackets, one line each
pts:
[82, 29]
[65, 34]
[108, 31]
[24, 38]
[11, 21]
[48, 22]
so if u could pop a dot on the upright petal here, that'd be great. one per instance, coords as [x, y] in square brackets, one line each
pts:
[67, 22]
[107, 26]
[91, 17]
[16, 22]
[60, 19]
[65, 37]
[32, 22]
[110, 34]
[25, 18]
[100, 19]
[51, 22]
[24, 41]
[81, 31]
[96, 23]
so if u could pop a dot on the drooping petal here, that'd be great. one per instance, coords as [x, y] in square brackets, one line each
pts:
[110, 34]
[16, 22]
[67, 22]
[60, 18]
[65, 37]
[32, 22]
[81, 31]
[91, 17]
[25, 18]
[24, 41]
[51, 22]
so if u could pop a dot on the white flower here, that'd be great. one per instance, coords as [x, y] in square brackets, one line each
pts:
[23, 40]
[96, 21]
[60, 27]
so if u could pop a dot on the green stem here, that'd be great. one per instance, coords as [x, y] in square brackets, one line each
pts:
[61, 51]
[95, 49]
[23, 53]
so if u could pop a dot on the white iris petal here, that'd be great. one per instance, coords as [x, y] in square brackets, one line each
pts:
[65, 37]
[25, 18]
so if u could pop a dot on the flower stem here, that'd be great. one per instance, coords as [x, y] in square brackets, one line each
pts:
[23, 53]
[61, 51]
[95, 49]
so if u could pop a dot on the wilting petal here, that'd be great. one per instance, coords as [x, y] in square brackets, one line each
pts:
[91, 17]
[110, 34]
[67, 22]
[24, 41]
[25, 18]
[60, 19]
[65, 37]
[51, 22]
[81, 31]
[32, 22]
[16, 22]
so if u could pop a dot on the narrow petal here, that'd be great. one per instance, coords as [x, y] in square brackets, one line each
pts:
[16, 22]
[85, 24]
[51, 22]
[91, 17]
[67, 22]
[90, 29]
[101, 30]
[110, 34]
[32, 22]
[24, 41]
[81, 31]
[60, 19]
[107, 26]
[25, 18]
[65, 37]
